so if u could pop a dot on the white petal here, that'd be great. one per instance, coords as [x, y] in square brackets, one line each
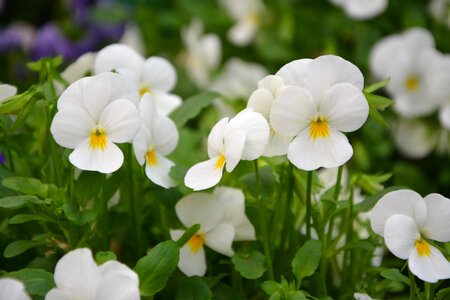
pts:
[216, 138]
[220, 239]
[437, 222]
[278, 144]
[141, 144]
[235, 142]
[345, 107]
[384, 54]
[292, 111]
[132, 37]
[294, 72]
[66, 293]
[309, 154]
[121, 121]
[115, 268]
[199, 208]
[165, 102]
[71, 126]
[400, 235]
[204, 175]
[261, 101]
[105, 161]
[117, 287]
[403, 202]
[272, 83]
[6, 91]
[12, 289]
[121, 59]
[430, 268]
[444, 116]
[80, 67]
[159, 74]
[192, 263]
[165, 135]
[159, 173]
[256, 129]
[328, 70]
[77, 270]
[148, 111]
[364, 9]
[242, 33]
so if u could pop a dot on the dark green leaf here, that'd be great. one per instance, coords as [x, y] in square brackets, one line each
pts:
[395, 275]
[103, 256]
[267, 181]
[249, 265]
[23, 218]
[18, 201]
[193, 288]
[18, 247]
[443, 294]
[191, 107]
[376, 86]
[376, 116]
[155, 268]
[23, 115]
[307, 259]
[29, 186]
[37, 281]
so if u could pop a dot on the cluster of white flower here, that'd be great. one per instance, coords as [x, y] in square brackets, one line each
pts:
[419, 85]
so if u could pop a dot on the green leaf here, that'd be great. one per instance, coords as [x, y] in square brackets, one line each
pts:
[103, 256]
[23, 115]
[395, 275]
[42, 63]
[295, 295]
[191, 107]
[443, 294]
[187, 235]
[18, 247]
[267, 182]
[368, 203]
[193, 288]
[376, 86]
[306, 260]
[29, 186]
[37, 281]
[378, 102]
[18, 201]
[15, 104]
[23, 218]
[249, 265]
[372, 184]
[271, 287]
[155, 268]
[376, 116]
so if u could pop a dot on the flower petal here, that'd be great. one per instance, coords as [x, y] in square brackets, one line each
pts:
[105, 161]
[80, 67]
[165, 102]
[400, 235]
[235, 142]
[444, 116]
[204, 175]
[216, 138]
[294, 72]
[345, 107]
[261, 101]
[220, 239]
[403, 202]
[192, 263]
[292, 111]
[148, 111]
[141, 144]
[71, 126]
[242, 33]
[272, 83]
[159, 74]
[165, 135]
[199, 208]
[309, 154]
[437, 221]
[159, 172]
[430, 268]
[115, 268]
[121, 121]
[278, 144]
[12, 289]
[117, 287]
[6, 91]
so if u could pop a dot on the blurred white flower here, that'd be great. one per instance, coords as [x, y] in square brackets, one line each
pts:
[247, 15]
[440, 11]
[79, 68]
[419, 75]
[93, 114]
[12, 289]
[325, 99]
[406, 221]
[202, 55]
[6, 91]
[156, 139]
[362, 9]
[78, 277]
[154, 75]
[361, 296]
[132, 37]
[244, 137]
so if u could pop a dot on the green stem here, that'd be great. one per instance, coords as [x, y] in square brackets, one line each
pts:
[262, 223]
[308, 204]
[337, 190]
[412, 286]
[133, 205]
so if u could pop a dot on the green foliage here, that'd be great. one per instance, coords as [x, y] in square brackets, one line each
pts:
[267, 183]
[103, 256]
[395, 275]
[193, 288]
[306, 260]
[249, 265]
[20, 246]
[37, 282]
[191, 107]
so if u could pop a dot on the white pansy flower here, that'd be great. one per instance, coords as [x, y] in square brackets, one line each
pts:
[244, 137]
[261, 101]
[440, 11]
[362, 9]
[77, 277]
[202, 55]
[407, 221]
[79, 68]
[156, 139]
[325, 99]
[154, 75]
[419, 76]
[12, 289]
[247, 15]
[202, 209]
[6, 91]
[93, 114]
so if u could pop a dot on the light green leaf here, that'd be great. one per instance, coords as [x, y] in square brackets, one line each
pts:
[191, 107]
[193, 288]
[18, 247]
[395, 275]
[307, 259]
[103, 256]
[15, 104]
[23, 218]
[378, 102]
[18, 201]
[295, 295]
[37, 281]
[271, 287]
[28, 186]
[376, 116]
[249, 265]
[376, 86]
[156, 267]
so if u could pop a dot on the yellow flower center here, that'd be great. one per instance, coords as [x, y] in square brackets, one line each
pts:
[220, 162]
[151, 157]
[423, 248]
[144, 89]
[412, 83]
[319, 128]
[196, 242]
[97, 139]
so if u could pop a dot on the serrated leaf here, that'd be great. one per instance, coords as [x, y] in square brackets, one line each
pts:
[28, 186]
[376, 86]
[249, 265]
[395, 275]
[103, 256]
[37, 281]
[18, 201]
[18, 247]
[23, 218]
[193, 288]
[307, 259]
[155, 268]
[191, 107]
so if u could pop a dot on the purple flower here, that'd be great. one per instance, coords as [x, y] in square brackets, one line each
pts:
[2, 159]
[49, 41]
[16, 36]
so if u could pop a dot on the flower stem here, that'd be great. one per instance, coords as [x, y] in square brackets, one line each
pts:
[337, 190]
[262, 223]
[308, 204]
[412, 286]
[133, 205]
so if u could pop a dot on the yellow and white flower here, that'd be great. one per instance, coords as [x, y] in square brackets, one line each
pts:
[323, 100]
[93, 114]
[12, 289]
[407, 221]
[156, 139]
